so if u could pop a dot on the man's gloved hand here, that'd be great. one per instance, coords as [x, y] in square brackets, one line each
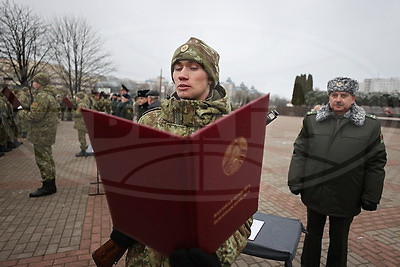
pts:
[122, 239]
[193, 257]
[367, 205]
[295, 189]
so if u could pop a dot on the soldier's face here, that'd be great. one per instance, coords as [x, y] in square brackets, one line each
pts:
[340, 102]
[36, 85]
[191, 80]
[142, 100]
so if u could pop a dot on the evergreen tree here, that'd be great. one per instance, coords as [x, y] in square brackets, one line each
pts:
[302, 86]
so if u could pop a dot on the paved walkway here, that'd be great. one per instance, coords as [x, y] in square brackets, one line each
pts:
[65, 228]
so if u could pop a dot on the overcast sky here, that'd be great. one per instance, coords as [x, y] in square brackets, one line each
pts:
[263, 43]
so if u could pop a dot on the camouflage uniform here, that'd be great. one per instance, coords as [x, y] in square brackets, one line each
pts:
[3, 117]
[25, 102]
[79, 124]
[107, 105]
[43, 122]
[7, 119]
[183, 117]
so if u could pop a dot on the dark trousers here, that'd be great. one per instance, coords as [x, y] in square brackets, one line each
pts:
[338, 236]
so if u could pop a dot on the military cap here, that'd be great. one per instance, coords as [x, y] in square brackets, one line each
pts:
[142, 93]
[127, 96]
[124, 88]
[153, 93]
[42, 79]
[342, 84]
[196, 50]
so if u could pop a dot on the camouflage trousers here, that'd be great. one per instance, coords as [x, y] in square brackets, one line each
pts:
[82, 139]
[45, 162]
[141, 255]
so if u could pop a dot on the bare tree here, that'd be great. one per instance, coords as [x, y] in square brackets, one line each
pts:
[78, 54]
[23, 45]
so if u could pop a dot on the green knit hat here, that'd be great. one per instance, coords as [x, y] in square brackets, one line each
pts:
[80, 95]
[42, 79]
[196, 50]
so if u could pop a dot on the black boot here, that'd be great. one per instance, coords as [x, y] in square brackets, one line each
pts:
[48, 188]
[4, 148]
[17, 143]
[11, 145]
[82, 153]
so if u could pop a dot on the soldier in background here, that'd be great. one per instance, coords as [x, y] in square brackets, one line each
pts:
[141, 103]
[63, 107]
[114, 103]
[8, 121]
[153, 99]
[107, 103]
[123, 90]
[81, 102]
[125, 108]
[43, 122]
[3, 132]
[25, 100]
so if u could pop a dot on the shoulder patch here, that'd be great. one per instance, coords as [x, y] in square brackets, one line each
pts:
[313, 112]
[34, 105]
[372, 116]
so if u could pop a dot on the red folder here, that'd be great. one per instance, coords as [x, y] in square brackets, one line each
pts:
[68, 103]
[172, 192]
[11, 97]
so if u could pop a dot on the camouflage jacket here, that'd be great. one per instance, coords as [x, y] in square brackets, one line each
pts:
[183, 117]
[24, 99]
[7, 117]
[79, 124]
[43, 117]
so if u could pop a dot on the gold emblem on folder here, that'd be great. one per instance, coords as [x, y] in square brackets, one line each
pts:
[234, 156]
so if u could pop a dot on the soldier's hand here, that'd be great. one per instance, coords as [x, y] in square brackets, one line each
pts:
[368, 205]
[193, 257]
[295, 189]
[122, 239]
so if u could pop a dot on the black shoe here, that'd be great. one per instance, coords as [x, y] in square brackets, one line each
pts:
[17, 143]
[48, 188]
[5, 148]
[82, 153]
[11, 145]
[2, 154]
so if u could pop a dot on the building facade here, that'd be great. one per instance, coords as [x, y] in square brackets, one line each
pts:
[384, 85]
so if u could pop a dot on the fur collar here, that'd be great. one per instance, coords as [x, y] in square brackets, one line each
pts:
[355, 114]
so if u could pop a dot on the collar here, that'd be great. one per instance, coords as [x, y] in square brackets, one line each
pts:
[355, 114]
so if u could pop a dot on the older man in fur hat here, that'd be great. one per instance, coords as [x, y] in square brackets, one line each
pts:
[338, 168]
